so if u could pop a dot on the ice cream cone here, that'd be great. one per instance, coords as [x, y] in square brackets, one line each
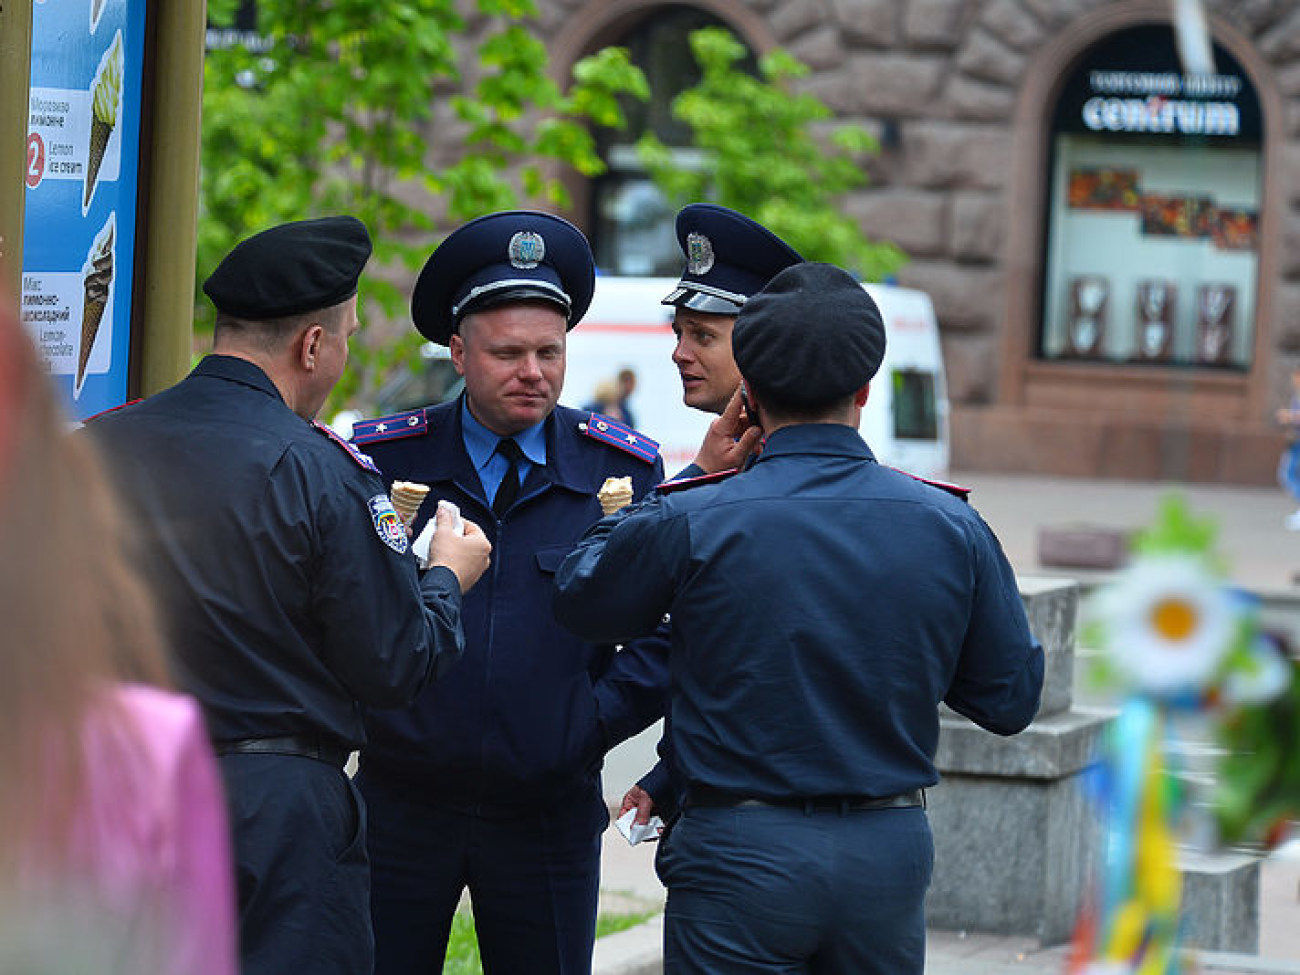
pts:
[407, 497]
[99, 133]
[90, 317]
[614, 494]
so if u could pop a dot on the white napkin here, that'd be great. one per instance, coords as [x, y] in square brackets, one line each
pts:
[635, 834]
[421, 545]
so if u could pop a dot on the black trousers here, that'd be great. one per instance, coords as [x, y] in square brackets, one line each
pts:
[761, 890]
[300, 856]
[533, 879]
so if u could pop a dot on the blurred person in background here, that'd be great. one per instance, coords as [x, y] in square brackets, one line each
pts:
[1288, 468]
[605, 401]
[114, 847]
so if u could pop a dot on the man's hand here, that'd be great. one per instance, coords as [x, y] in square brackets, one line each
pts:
[637, 798]
[730, 440]
[467, 555]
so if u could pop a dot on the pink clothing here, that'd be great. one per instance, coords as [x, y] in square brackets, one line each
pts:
[151, 846]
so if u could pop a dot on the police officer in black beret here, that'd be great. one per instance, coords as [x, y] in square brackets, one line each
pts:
[290, 592]
[492, 780]
[822, 607]
[728, 258]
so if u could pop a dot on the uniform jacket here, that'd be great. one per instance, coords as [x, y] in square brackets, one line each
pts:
[822, 606]
[529, 712]
[288, 594]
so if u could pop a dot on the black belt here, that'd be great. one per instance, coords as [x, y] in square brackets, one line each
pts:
[303, 746]
[708, 796]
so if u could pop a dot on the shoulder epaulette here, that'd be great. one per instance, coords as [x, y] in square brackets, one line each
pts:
[682, 483]
[956, 490]
[355, 454]
[412, 423]
[112, 409]
[622, 436]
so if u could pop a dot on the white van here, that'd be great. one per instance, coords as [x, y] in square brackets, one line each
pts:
[905, 421]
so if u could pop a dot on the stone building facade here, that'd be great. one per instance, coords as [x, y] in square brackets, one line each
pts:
[966, 96]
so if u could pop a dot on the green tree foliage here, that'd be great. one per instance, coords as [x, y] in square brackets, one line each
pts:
[336, 115]
[766, 158]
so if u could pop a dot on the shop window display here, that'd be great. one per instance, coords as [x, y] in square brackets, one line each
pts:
[1152, 236]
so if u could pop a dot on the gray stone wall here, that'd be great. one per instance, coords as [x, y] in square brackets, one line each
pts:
[946, 76]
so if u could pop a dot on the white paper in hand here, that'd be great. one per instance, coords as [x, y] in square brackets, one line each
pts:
[635, 834]
[421, 545]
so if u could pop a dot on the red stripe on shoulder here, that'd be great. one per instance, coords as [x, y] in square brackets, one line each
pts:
[682, 483]
[956, 490]
[362, 459]
[112, 409]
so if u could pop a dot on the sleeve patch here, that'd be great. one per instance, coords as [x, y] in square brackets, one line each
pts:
[355, 454]
[388, 525]
[620, 435]
[412, 423]
[682, 483]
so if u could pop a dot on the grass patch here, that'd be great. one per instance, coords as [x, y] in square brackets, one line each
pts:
[462, 946]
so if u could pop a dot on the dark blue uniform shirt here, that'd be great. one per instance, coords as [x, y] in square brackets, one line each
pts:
[822, 606]
[286, 601]
[529, 712]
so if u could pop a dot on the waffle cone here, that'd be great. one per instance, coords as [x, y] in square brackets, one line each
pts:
[407, 498]
[92, 314]
[614, 494]
[99, 133]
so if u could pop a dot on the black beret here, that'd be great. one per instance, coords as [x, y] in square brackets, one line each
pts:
[728, 258]
[515, 255]
[811, 336]
[294, 268]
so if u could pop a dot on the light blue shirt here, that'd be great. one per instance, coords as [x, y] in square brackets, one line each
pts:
[481, 445]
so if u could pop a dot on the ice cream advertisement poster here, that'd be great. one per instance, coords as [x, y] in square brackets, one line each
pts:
[83, 161]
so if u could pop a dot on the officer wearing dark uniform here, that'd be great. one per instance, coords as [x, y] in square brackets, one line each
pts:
[822, 607]
[289, 591]
[728, 258]
[492, 780]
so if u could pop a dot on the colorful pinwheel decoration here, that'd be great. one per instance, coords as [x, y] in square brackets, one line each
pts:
[1175, 638]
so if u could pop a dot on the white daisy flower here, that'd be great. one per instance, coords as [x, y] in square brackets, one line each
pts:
[1168, 624]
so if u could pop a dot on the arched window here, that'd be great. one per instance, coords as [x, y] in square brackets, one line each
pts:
[1153, 211]
[632, 223]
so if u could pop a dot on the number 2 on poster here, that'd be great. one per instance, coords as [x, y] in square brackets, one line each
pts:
[35, 160]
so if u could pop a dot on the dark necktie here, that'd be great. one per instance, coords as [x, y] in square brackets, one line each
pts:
[509, 487]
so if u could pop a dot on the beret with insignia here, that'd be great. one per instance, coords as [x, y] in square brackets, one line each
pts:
[290, 269]
[811, 336]
[514, 255]
[728, 258]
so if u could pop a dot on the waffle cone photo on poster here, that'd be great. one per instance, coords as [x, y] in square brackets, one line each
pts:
[98, 282]
[106, 97]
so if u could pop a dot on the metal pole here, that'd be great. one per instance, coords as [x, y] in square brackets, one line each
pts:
[173, 195]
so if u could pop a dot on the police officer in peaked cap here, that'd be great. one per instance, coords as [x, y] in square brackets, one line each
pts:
[728, 257]
[823, 607]
[289, 591]
[491, 781]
